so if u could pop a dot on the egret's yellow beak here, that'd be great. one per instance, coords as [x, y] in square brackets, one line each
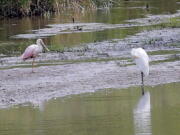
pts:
[135, 57]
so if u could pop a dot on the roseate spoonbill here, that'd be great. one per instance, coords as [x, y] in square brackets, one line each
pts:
[142, 61]
[32, 51]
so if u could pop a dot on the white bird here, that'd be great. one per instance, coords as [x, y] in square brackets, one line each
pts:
[142, 61]
[32, 51]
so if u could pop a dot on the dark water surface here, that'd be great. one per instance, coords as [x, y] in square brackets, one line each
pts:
[123, 11]
[112, 111]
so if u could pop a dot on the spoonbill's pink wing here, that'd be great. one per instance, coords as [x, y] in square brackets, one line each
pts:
[29, 52]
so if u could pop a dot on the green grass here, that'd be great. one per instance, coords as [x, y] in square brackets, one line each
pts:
[171, 59]
[163, 52]
[64, 62]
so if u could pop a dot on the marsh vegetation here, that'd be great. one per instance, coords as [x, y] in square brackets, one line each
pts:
[12, 8]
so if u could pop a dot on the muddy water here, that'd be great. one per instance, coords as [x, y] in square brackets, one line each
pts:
[124, 11]
[110, 111]
[117, 111]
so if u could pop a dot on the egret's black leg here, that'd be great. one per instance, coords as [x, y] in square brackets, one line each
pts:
[142, 86]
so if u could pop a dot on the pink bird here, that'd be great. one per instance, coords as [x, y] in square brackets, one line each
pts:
[32, 51]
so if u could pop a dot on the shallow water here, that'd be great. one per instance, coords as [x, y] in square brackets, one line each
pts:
[126, 10]
[111, 111]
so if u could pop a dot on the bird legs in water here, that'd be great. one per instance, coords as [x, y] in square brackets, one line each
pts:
[33, 65]
[142, 85]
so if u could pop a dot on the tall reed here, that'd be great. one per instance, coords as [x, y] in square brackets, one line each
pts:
[19, 8]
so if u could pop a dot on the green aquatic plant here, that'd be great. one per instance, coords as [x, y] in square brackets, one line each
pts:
[170, 59]
[163, 52]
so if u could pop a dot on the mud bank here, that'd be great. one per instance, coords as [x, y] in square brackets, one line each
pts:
[19, 85]
[155, 40]
[89, 68]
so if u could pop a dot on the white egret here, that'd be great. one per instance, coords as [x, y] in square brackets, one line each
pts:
[32, 51]
[142, 61]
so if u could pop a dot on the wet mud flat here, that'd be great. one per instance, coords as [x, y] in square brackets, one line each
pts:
[101, 66]
[90, 67]
[19, 85]
[167, 40]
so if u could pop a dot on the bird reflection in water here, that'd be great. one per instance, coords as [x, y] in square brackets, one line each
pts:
[142, 116]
